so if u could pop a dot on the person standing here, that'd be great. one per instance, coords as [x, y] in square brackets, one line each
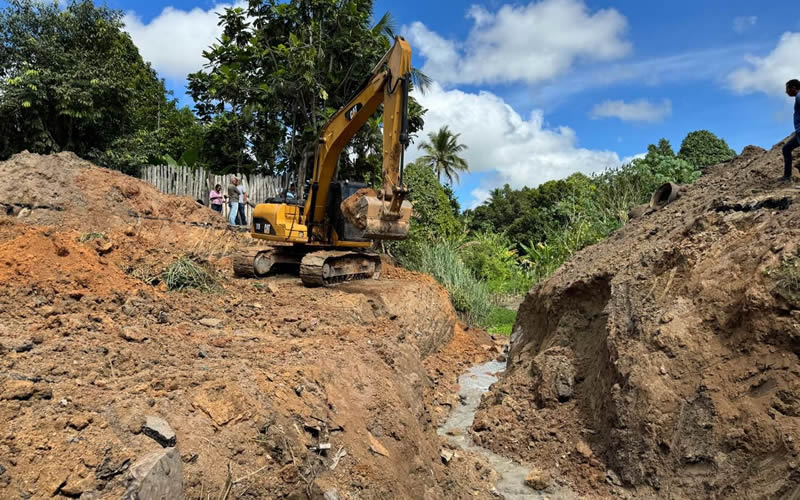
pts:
[233, 199]
[792, 90]
[215, 198]
[242, 216]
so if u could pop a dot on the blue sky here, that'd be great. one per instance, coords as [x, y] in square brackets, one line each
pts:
[546, 88]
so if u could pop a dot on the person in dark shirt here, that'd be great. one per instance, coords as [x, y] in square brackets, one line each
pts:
[792, 90]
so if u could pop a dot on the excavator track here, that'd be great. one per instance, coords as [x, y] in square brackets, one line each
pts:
[327, 267]
[252, 264]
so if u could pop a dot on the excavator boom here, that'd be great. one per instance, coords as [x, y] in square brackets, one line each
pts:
[379, 215]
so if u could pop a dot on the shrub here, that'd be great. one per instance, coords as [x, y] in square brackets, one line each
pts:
[702, 149]
[493, 258]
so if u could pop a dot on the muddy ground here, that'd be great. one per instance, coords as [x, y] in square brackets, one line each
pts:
[663, 362]
[281, 390]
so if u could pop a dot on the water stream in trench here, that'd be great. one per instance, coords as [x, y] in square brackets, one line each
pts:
[473, 384]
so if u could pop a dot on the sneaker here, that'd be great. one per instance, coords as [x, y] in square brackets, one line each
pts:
[785, 180]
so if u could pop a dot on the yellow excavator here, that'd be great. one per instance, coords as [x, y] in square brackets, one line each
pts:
[329, 233]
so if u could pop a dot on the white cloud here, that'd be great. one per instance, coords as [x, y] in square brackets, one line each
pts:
[629, 159]
[523, 43]
[743, 23]
[511, 149]
[704, 65]
[641, 110]
[770, 73]
[174, 41]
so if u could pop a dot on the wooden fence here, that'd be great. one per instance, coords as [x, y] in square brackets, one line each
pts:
[197, 183]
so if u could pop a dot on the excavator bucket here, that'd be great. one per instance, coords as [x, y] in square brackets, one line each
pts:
[375, 217]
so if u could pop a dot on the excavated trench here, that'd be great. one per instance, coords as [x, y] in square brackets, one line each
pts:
[511, 485]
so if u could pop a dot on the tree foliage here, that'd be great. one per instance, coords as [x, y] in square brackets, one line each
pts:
[532, 215]
[279, 71]
[434, 215]
[702, 149]
[71, 79]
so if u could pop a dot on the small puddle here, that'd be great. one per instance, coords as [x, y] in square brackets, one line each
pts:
[473, 384]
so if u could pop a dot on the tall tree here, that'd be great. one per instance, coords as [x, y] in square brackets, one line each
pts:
[442, 155]
[279, 71]
[71, 79]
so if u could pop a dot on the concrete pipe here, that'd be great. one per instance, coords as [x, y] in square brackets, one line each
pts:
[665, 195]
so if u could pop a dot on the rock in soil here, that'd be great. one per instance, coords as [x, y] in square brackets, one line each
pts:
[211, 322]
[133, 334]
[158, 429]
[538, 480]
[158, 475]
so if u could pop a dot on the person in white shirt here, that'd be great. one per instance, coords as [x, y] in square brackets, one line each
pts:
[241, 217]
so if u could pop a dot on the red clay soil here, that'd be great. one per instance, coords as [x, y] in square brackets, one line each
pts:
[252, 378]
[663, 362]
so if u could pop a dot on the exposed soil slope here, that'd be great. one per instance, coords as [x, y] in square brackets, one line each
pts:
[260, 376]
[665, 359]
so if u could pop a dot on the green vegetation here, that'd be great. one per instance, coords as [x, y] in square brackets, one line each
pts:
[520, 237]
[71, 79]
[440, 258]
[278, 72]
[501, 321]
[91, 237]
[704, 149]
[184, 273]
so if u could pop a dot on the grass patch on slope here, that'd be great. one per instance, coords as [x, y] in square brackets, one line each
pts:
[185, 273]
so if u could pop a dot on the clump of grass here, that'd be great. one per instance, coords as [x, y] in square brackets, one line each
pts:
[185, 273]
[501, 321]
[91, 237]
[787, 278]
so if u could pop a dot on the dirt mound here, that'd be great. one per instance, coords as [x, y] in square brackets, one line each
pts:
[665, 358]
[73, 225]
[298, 392]
[62, 188]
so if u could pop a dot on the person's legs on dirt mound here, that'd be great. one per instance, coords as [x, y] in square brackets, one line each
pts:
[234, 213]
[792, 144]
[241, 218]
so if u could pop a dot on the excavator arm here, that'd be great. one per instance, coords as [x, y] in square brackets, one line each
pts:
[380, 215]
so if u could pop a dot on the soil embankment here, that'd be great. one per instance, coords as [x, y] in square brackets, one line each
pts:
[664, 361]
[298, 392]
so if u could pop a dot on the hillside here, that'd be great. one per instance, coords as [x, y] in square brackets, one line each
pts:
[665, 359]
[265, 387]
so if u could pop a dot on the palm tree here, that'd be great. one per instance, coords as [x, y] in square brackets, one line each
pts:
[442, 156]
